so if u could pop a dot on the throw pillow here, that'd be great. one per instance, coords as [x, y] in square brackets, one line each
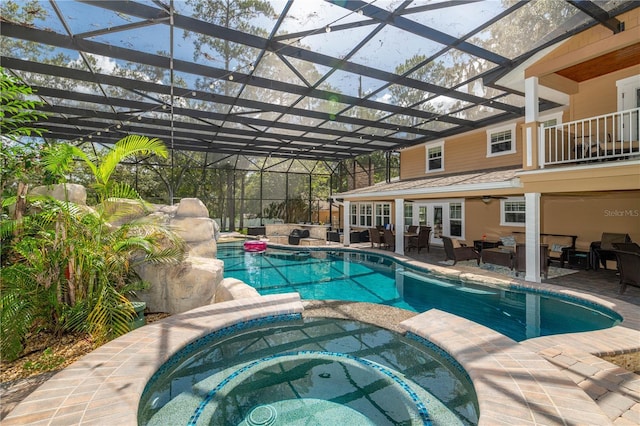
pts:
[557, 247]
[508, 241]
[455, 243]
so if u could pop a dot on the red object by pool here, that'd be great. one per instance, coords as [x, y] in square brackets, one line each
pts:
[255, 246]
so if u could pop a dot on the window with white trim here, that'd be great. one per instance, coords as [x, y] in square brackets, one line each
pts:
[435, 156]
[501, 140]
[551, 120]
[383, 214]
[512, 211]
[361, 215]
[455, 219]
[353, 215]
[366, 215]
[408, 214]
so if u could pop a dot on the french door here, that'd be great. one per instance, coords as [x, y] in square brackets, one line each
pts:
[432, 215]
[437, 215]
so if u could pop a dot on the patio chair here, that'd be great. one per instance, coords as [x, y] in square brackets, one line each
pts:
[521, 259]
[389, 240]
[421, 240]
[628, 267]
[602, 250]
[376, 238]
[457, 251]
[412, 229]
[632, 247]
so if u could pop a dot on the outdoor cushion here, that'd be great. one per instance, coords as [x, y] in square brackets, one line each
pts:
[509, 240]
[455, 243]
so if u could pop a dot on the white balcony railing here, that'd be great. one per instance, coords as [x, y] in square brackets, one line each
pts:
[608, 136]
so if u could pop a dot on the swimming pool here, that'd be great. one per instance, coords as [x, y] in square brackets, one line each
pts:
[316, 371]
[365, 277]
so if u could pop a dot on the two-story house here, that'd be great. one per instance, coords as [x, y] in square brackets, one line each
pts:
[572, 170]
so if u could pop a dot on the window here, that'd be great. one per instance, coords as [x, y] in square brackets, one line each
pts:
[512, 212]
[354, 215]
[408, 214]
[366, 213]
[383, 214]
[551, 120]
[501, 140]
[435, 156]
[455, 219]
[361, 215]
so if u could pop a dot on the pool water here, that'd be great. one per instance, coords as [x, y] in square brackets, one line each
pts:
[319, 371]
[365, 277]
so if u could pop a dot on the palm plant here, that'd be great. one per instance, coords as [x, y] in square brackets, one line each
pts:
[73, 268]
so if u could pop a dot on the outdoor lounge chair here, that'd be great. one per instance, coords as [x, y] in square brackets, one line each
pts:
[602, 250]
[456, 251]
[376, 238]
[421, 240]
[521, 259]
[628, 267]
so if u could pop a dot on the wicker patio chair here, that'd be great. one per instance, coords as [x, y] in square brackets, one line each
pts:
[628, 267]
[457, 251]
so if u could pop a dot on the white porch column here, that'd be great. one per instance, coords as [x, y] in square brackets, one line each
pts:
[531, 112]
[532, 235]
[532, 315]
[347, 223]
[399, 226]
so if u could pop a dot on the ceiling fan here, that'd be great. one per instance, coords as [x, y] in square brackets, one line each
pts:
[487, 198]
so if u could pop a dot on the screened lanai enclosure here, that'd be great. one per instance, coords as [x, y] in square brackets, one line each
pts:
[269, 108]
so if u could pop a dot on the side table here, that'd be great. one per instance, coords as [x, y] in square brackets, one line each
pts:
[578, 259]
[485, 244]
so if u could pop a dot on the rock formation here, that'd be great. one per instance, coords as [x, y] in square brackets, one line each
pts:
[195, 282]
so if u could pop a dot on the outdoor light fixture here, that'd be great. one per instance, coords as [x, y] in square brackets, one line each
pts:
[486, 199]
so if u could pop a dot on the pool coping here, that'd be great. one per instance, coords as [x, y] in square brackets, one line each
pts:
[106, 385]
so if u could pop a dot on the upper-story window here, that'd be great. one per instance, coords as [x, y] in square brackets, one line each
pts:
[512, 211]
[501, 140]
[550, 120]
[435, 156]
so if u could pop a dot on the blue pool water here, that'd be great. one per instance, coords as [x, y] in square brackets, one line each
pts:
[365, 277]
[316, 371]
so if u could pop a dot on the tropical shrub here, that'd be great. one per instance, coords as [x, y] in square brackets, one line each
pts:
[72, 267]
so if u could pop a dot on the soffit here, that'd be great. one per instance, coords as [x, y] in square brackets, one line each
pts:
[605, 64]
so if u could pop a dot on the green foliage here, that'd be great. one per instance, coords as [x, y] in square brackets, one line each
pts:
[291, 210]
[70, 267]
[18, 157]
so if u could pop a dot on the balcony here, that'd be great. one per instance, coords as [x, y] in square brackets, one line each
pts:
[606, 137]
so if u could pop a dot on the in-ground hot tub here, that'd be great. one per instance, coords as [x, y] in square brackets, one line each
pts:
[316, 371]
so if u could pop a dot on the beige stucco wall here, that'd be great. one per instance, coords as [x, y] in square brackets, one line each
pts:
[589, 215]
[584, 215]
[598, 96]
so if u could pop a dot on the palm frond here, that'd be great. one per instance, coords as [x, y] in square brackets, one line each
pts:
[58, 159]
[110, 315]
[126, 147]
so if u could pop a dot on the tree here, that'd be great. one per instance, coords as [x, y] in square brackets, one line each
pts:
[18, 157]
